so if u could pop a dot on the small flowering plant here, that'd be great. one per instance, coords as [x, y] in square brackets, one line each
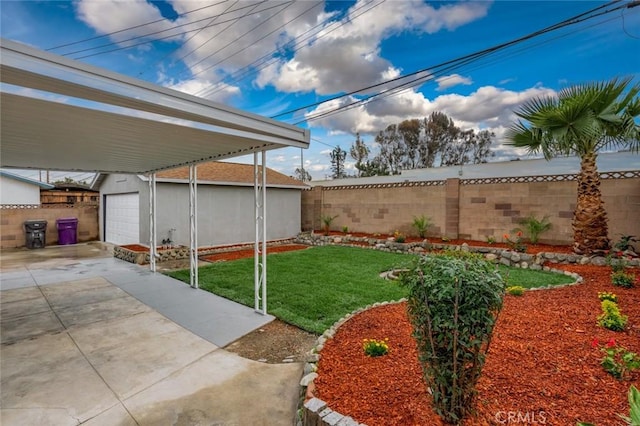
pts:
[398, 237]
[617, 360]
[515, 244]
[373, 347]
[605, 295]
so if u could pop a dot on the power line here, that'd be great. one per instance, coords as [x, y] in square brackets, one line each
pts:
[159, 32]
[259, 39]
[413, 83]
[296, 47]
[452, 61]
[209, 39]
[131, 28]
[189, 39]
[235, 40]
[464, 59]
[324, 143]
[624, 29]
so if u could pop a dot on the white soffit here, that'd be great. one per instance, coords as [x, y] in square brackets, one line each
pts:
[114, 123]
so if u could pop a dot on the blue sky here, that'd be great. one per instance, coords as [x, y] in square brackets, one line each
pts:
[276, 56]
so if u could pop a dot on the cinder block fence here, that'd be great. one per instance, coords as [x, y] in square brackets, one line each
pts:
[472, 208]
[12, 219]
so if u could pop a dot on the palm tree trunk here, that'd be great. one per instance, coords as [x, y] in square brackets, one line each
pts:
[590, 230]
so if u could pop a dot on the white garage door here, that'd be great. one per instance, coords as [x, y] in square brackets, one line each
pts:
[122, 219]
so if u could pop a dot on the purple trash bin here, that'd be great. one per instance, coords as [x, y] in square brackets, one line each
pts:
[67, 230]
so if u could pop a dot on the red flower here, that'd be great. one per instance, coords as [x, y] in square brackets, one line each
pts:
[611, 343]
[506, 236]
[594, 342]
[519, 234]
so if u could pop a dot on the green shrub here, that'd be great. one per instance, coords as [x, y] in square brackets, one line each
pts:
[453, 304]
[622, 279]
[515, 290]
[617, 261]
[534, 227]
[422, 224]
[611, 317]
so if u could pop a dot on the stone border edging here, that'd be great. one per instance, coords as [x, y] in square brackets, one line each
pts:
[504, 256]
[179, 252]
[316, 412]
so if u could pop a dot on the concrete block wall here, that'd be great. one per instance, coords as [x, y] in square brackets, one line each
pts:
[473, 209]
[373, 208]
[491, 210]
[622, 201]
[12, 234]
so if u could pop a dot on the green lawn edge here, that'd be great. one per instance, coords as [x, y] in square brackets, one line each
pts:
[315, 287]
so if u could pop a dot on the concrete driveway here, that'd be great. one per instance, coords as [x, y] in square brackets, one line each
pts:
[89, 339]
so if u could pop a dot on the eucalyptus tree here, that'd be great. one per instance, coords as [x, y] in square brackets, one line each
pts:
[360, 153]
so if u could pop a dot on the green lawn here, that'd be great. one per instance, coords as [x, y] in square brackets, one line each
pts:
[528, 278]
[314, 288]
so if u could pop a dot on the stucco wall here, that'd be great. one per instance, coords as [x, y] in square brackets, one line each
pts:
[225, 213]
[15, 192]
[472, 209]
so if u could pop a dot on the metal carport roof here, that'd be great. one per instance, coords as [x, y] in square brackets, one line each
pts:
[60, 114]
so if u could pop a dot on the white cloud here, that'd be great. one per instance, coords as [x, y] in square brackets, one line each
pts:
[488, 108]
[347, 57]
[452, 80]
[245, 33]
[218, 92]
[108, 16]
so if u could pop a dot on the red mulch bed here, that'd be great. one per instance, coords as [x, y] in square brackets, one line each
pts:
[531, 248]
[541, 362]
[241, 254]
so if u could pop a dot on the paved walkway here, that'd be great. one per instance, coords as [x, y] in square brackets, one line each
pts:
[89, 338]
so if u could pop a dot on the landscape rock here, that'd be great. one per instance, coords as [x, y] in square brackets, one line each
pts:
[308, 379]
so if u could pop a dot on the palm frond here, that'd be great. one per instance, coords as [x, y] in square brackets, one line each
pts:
[580, 120]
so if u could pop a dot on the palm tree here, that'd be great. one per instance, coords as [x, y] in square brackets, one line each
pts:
[582, 120]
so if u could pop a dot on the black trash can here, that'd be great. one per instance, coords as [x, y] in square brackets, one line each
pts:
[35, 233]
[67, 230]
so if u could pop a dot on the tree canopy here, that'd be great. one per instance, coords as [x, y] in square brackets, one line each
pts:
[422, 143]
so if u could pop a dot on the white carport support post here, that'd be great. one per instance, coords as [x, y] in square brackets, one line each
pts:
[260, 247]
[153, 246]
[193, 224]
